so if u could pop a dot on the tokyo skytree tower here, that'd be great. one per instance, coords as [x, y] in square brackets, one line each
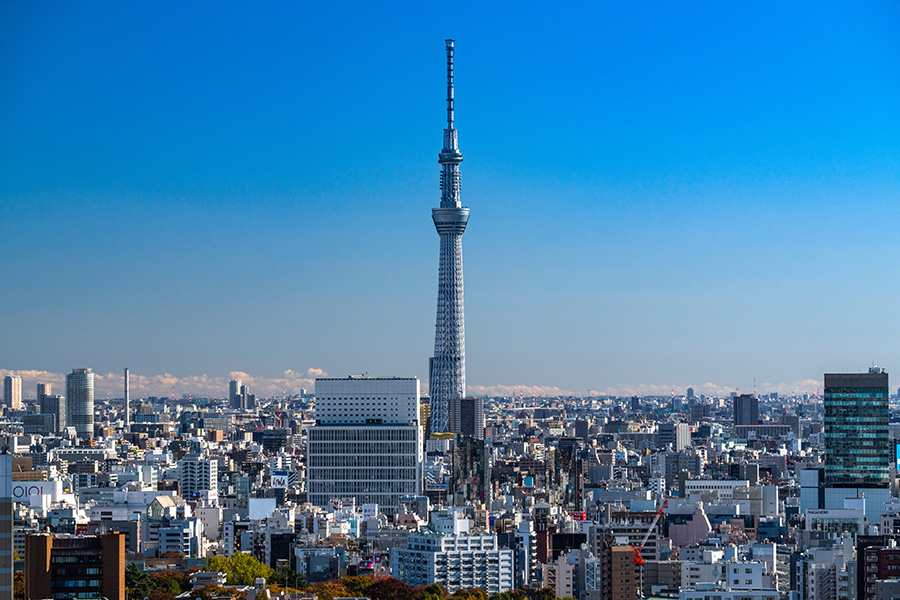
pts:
[447, 368]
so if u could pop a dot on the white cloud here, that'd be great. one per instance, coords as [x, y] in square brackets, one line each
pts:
[292, 382]
[527, 391]
[161, 384]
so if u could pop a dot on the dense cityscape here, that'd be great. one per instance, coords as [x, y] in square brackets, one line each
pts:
[387, 487]
[735, 498]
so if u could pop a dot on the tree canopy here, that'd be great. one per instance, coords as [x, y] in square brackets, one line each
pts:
[240, 568]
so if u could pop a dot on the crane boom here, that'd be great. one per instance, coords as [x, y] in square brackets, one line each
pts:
[638, 559]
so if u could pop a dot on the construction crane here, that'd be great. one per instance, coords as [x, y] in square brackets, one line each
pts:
[638, 559]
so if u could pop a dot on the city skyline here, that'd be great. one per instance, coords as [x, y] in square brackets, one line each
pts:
[667, 196]
[217, 386]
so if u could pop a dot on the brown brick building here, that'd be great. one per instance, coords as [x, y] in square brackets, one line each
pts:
[879, 563]
[62, 567]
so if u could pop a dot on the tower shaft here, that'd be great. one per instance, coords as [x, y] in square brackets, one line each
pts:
[447, 368]
[127, 401]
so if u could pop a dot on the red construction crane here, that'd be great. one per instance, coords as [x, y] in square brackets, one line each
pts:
[638, 559]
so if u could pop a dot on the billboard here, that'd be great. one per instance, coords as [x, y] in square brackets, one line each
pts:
[22, 491]
[280, 479]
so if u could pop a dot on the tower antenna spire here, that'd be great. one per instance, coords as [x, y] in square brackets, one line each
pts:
[450, 83]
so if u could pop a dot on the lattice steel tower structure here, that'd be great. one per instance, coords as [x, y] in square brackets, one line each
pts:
[447, 368]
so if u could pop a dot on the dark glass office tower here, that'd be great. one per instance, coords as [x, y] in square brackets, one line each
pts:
[857, 452]
[746, 410]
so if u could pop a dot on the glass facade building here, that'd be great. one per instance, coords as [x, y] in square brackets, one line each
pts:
[857, 449]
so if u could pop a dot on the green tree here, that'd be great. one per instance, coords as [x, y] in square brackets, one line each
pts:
[218, 564]
[435, 591]
[287, 579]
[240, 569]
[137, 584]
[245, 569]
[469, 594]
[356, 584]
[545, 594]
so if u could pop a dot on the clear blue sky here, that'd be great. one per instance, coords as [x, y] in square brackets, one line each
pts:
[662, 194]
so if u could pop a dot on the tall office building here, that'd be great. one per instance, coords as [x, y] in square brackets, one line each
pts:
[470, 480]
[677, 434]
[234, 393]
[857, 449]
[80, 402]
[12, 391]
[447, 368]
[467, 416]
[366, 443]
[746, 410]
[43, 389]
[55, 405]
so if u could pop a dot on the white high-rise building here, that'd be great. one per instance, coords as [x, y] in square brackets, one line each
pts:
[12, 391]
[455, 558]
[199, 477]
[367, 441]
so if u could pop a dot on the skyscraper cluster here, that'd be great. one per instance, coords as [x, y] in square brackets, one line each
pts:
[239, 395]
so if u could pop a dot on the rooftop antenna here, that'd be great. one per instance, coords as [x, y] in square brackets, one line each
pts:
[450, 83]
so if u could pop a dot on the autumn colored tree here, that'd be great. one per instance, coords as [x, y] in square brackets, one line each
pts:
[160, 594]
[388, 588]
[329, 590]
[19, 585]
[209, 591]
[170, 581]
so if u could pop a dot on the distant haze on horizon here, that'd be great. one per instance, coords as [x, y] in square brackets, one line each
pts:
[661, 196]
